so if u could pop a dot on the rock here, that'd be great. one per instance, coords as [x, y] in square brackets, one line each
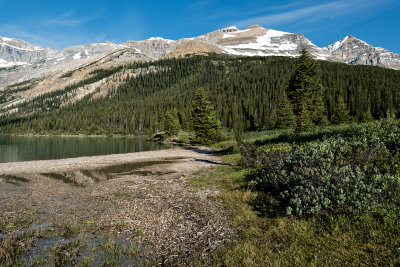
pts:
[355, 51]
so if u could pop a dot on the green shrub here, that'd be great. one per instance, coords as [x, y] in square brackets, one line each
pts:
[339, 175]
[256, 156]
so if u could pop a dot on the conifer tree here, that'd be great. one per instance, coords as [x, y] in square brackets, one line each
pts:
[304, 122]
[285, 117]
[305, 88]
[367, 116]
[205, 124]
[318, 115]
[390, 114]
[341, 113]
[171, 123]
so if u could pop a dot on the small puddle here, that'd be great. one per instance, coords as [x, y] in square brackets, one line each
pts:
[10, 184]
[15, 180]
[114, 251]
[83, 178]
[35, 227]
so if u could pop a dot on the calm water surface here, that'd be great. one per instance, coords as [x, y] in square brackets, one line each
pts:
[24, 148]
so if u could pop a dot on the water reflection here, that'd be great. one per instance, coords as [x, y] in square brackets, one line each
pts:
[25, 148]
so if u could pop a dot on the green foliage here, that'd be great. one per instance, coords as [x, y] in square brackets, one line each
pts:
[304, 122]
[238, 131]
[204, 121]
[305, 89]
[255, 156]
[367, 116]
[285, 117]
[341, 113]
[171, 123]
[265, 239]
[245, 92]
[67, 74]
[338, 175]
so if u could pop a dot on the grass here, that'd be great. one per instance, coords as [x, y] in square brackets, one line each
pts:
[327, 240]
[66, 245]
[321, 132]
[12, 248]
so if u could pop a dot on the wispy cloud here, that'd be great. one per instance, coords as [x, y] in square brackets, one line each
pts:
[310, 13]
[200, 3]
[16, 31]
[70, 19]
[52, 39]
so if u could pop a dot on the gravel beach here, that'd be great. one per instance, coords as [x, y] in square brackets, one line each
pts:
[151, 205]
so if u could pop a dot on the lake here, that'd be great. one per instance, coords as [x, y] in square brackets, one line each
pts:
[26, 148]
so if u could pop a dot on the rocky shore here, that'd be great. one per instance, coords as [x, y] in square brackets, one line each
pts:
[143, 198]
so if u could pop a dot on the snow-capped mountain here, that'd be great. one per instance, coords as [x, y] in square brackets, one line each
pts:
[20, 60]
[354, 51]
[258, 41]
[154, 47]
[15, 52]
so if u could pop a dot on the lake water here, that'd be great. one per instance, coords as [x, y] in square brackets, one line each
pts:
[25, 148]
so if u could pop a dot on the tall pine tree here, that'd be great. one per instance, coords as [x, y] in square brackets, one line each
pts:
[285, 117]
[171, 123]
[305, 89]
[304, 122]
[204, 121]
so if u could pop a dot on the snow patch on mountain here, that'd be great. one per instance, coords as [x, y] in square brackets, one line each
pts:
[339, 44]
[7, 64]
[229, 29]
[77, 56]
[7, 39]
[336, 45]
[24, 49]
[160, 39]
[267, 41]
[228, 35]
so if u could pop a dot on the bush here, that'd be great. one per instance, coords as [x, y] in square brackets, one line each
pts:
[257, 156]
[337, 175]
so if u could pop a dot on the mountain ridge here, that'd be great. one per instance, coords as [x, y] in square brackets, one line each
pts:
[20, 60]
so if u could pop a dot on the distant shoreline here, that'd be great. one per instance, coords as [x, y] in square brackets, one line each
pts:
[76, 135]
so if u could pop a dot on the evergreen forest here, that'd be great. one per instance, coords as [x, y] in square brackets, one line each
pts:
[245, 91]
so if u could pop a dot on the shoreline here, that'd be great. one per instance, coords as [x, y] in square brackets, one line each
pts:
[93, 162]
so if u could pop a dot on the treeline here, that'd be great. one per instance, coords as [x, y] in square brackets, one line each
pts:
[244, 90]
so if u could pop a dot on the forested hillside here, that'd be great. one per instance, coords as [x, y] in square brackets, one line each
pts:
[245, 91]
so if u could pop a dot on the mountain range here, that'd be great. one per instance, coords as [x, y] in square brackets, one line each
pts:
[45, 70]
[20, 60]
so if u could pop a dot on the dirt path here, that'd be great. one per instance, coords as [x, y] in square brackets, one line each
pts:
[140, 197]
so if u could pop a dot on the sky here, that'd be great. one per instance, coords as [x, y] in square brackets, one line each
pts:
[60, 24]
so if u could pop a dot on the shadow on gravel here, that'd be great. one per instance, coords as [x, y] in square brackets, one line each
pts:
[82, 178]
[213, 162]
[200, 150]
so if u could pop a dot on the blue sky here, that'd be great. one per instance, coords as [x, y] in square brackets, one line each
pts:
[59, 24]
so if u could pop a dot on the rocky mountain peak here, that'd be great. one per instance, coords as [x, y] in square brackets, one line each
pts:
[18, 44]
[229, 29]
[254, 26]
[20, 60]
[355, 51]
